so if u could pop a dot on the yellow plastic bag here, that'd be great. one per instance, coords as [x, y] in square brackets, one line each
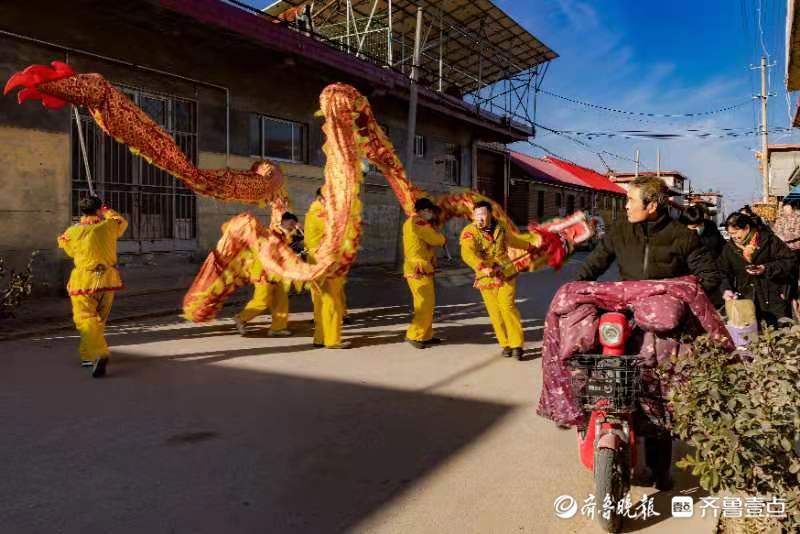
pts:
[740, 312]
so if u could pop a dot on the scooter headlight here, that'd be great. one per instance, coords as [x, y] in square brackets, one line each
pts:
[610, 334]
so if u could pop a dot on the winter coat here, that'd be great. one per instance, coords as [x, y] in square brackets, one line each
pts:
[712, 239]
[771, 291]
[652, 250]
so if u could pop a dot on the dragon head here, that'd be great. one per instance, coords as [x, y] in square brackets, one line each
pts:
[33, 76]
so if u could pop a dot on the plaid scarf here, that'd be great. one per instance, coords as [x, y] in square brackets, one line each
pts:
[750, 245]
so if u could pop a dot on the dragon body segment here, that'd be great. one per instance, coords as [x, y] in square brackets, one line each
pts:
[352, 134]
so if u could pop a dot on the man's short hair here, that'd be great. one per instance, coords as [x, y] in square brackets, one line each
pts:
[482, 204]
[694, 215]
[90, 205]
[319, 192]
[653, 189]
[424, 204]
[288, 216]
[795, 204]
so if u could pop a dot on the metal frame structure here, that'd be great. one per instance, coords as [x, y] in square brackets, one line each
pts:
[468, 49]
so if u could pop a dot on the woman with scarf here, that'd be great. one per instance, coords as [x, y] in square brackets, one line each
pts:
[758, 266]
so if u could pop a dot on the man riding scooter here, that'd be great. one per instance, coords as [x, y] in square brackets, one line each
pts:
[650, 245]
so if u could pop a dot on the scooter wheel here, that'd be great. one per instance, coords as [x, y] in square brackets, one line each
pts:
[611, 477]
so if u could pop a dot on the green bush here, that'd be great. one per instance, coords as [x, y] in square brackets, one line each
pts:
[742, 417]
[14, 286]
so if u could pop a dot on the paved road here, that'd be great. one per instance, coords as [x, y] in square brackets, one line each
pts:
[199, 430]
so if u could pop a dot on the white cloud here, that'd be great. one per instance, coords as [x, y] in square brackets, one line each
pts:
[598, 63]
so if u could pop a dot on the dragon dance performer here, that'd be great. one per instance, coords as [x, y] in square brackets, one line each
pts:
[270, 293]
[92, 245]
[484, 247]
[328, 296]
[420, 238]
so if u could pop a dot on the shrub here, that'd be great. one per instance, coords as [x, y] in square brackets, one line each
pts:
[742, 417]
[14, 286]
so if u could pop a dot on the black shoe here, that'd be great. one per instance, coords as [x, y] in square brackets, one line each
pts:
[342, 345]
[433, 341]
[506, 352]
[87, 363]
[518, 353]
[318, 345]
[99, 368]
[347, 320]
[416, 344]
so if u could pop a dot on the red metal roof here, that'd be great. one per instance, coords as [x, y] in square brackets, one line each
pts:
[593, 179]
[544, 170]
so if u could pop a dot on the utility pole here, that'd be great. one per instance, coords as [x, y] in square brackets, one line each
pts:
[637, 162]
[764, 143]
[412, 130]
[412, 101]
[658, 162]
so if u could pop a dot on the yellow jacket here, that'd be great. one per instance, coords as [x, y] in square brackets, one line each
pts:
[314, 228]
[92, 244]
[257, 273]
[487, 254]
[419, 240]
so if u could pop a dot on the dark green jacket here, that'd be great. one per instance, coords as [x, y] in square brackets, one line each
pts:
[654, 250]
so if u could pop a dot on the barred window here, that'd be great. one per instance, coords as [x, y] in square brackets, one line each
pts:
[161, 210]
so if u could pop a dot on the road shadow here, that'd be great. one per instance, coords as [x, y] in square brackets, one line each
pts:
[686, 484]
[184, 446]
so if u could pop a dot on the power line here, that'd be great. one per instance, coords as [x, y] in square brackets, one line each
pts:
[667, 136]
[587, 146]
[550, 152]
[641, 114]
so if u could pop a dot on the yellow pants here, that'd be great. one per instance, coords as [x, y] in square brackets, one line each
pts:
[344, 298]
[328, 311]
[268, 296]
[422, 291]
[504, 314]
[90, 313]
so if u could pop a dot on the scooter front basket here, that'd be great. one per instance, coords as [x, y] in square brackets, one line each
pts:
[608, 383]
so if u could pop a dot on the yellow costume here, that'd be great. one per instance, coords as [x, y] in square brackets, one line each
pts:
[327, 297]
[495, 277]
[419, 240]
[267, 294]
[92, 244]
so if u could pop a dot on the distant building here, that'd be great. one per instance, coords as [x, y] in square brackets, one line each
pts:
[784, 169]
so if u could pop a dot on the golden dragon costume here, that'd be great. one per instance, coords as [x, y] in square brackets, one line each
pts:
[352, 135]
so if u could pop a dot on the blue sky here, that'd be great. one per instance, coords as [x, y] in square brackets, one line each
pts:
[665, 57]
[657, 56]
